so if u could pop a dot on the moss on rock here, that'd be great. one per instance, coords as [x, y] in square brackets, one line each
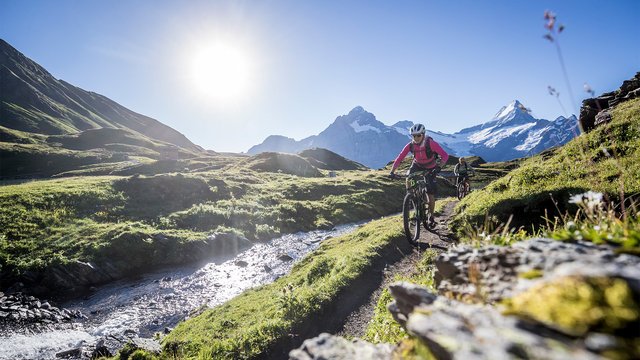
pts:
[576, 305]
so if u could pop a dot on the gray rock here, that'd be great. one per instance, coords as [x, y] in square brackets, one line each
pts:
[72, 353]
[326, 346]
[285, 257]
[494, 271]
[454, 330]
[600, 342]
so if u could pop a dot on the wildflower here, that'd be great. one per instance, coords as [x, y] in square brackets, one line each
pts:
[551, 20]
[590, 201]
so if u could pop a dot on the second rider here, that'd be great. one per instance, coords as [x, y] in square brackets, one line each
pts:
[426, 153]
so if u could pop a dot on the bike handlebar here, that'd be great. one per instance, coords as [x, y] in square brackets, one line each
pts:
[431, 171]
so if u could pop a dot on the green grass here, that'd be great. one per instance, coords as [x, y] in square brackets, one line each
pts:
[251, 323]
[45, 223]
[606, 160]
[382, 328]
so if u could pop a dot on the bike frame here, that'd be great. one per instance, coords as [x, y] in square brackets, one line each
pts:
[416, 200]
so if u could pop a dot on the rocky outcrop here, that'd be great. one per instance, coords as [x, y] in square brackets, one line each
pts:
[596, 111]
[490, 274]
[553, 300]
[538, 299]
[455, 330]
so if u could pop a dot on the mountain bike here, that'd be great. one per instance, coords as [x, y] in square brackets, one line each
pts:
[464, 187]
[415, 209]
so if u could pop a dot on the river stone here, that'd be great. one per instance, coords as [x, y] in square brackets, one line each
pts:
[18, 310]
[241, 263]
[285, 257]
[70, 354]
[326, 346]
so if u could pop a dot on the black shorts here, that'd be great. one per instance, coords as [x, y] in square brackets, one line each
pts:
[430, 179]
[461, 178]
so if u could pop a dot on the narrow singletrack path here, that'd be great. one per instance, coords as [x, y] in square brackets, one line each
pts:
[440, 239]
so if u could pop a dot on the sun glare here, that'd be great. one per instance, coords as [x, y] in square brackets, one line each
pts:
[221, 72]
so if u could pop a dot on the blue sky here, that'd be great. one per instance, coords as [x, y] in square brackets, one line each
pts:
[447, 64]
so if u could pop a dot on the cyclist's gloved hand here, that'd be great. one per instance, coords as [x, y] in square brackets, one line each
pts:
[437, 169]
[392, 175]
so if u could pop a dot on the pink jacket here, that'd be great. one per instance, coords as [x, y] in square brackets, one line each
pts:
[420, 154]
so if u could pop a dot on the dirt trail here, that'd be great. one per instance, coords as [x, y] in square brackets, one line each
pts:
[440, 239]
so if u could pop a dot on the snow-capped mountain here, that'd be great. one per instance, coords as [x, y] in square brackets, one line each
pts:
[359, 136]
[512, 133]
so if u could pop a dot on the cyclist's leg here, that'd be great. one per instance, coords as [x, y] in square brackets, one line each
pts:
[431, 192]
[413, 168]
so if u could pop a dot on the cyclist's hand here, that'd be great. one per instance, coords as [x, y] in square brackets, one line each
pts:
[392, 175]
[436, 169]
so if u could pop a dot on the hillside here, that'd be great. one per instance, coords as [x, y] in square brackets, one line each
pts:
[51, 128]
[604, 160]
[34, 101]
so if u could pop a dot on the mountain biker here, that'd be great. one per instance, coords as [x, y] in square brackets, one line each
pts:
[462, 170]
[425, 157]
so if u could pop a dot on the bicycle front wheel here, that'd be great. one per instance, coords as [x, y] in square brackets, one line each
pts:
[412, 218]
[461, 192]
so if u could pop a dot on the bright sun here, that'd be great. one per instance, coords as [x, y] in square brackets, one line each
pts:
[221, 72]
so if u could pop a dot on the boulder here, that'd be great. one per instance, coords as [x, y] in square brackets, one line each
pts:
[326, 346]
[595, 111]
[455, 330]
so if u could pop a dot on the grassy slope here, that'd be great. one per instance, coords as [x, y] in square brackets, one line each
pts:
[250, 324]
[48, 222]
[580, 165]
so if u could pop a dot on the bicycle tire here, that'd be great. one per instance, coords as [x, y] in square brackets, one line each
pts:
[461, 192]
[425, 217]
[412, 218]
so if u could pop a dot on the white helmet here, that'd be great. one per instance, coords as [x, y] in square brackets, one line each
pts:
[417, 129]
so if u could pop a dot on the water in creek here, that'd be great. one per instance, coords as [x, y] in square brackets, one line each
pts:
[160, 300]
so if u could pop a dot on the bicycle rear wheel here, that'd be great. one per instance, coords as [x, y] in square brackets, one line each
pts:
[411, 216]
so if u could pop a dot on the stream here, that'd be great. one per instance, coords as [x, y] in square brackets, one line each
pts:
[158, 301]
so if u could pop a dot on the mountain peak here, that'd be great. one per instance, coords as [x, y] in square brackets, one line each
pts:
[357, 110]
[513, 106]
[512, 113]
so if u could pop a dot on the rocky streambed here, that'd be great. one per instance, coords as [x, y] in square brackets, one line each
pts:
[135, 309]
[538, 299]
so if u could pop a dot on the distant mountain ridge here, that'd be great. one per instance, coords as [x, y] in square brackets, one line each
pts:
[32, 100]
[359, 136]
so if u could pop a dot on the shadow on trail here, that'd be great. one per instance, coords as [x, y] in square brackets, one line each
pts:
[427, 246]
[440, 237]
